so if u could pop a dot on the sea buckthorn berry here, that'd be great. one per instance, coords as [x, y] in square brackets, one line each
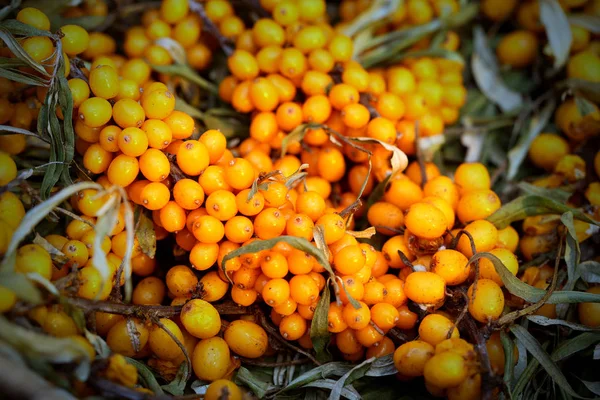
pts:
[123, 170]
[300, 225]
[368, 336]
[267, 32]
[426, 221]
[33, 258]
[508, 238]
[249, 206]
[410, 358]
[276, 291]
[221, 204]
[104, 81]
[91, 285]
[239, 229]
[445, 370]
[588, 312]
[391, 248]
[155, 195]
[223, 389]
[394, 292]
[335, 318]
[263, 94]
[355, 115]
[39, 48]
[149, 291]
[485, 236]
[119, 341]
[384, 315]
[193, 157]
[128, 113]
[108, 138]
[486, 300]
[311, 204]
[269, 223]
[132, 141]
[34, 17]
[243, 65]
[158, 104]
[213, 287]
[435, 328]
[356, 318]
[406, 318]
[200, 319]
[374, 292]
[162, 344]
[402, 193]
[381, 349]
[293, 327]
[472, 176]
[292, 63]
[287, 308]
[518, 48]
[334, 227]
[208, 229]
[451, 265]
[442, 187]
[239, 173]
[303, 290]
[349, 260]
[188, 194]
[211, 359]
[155, 165]
[347, 342]
[95, 112]
[477, 204]
[246, 338]
[425, 288]
[274, 265]
[96, 159]
[172, 217]
[80, 91]
[508, 259]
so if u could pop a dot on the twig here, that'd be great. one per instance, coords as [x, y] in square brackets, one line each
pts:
[272, 364]
[198, 8]
[76, 72]
[179, 344]
[399, 336]
[146, 311]
[462, 314]
[275, 334]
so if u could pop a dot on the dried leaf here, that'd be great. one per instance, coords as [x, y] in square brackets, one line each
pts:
[399, 160]
[365, 234]
[558, 30]
[21, 286]
[146, 235]
[175, 50]
[99, 344]
[258, 386]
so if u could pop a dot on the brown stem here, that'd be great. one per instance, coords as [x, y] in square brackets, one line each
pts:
[76, 72]
[399, 336]
[225, 43]
[146, 311]
[276, 335]
[179, 344]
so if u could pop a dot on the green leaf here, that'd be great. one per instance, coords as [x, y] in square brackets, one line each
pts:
[534, 347]
[323, 371]
[559, 195]
[146, 235]
[545, 321]
[6, 10]
[486, 73]
[382, 366]
[587, 21]
[589, 271]
[258, 386]
[572, 257]
[355, 373]
[436, 53]
[46, 348]
[177, 386]
[531, 205]
[529, 293]
[558, 30]
[584, 106]
[570, 347]
[378, 10]
[517, 154]
[148, 378]
[509, 364]
[319, 332]
[593, 387]
[188, 73]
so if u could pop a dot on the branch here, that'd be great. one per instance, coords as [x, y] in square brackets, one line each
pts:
[225, 43]
[146, 311]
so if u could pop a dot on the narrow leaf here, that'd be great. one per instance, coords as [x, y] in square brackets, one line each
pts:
[587, 21]
[355, 373]
[556, 194]
[259, 387]
[517, 154]
[584, 106]
[535, 348]
[545, 321]
[572, 346]
[146, 375]
[558, 30]
[589, 271]
[487, 75]
[177, 386]
[531, 205]
[319, 328]
[347, 392]
[323, 371]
